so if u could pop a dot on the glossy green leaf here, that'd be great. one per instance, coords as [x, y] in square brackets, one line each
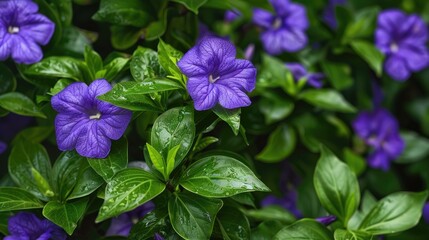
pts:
[168, 57]
[275, 108]
[93, 61]
[64, 9]
[4, 218]
[58, 67]
[114, 162]
[65, 215]
[233, 224]
[220, 176]
[342, 234]
[363, 24]
[396, 212]
[22, 159]
[174, 127]
[415, 148]
[127, 190]
[114, 67]
[266, 230]
[20, 104]
[12, 198]
[245, 199]
[232, 117]
[355, 162]
[281, 144]
[154, 222]
[130, 12]
[33, 134]
[7, 80]
[87, 182]
[60, 85]
[204, 142]
[192, 216]
[327, 99]
[192, 5]
[171, 159]
[156, 159]
[338, 74]
[336, 186]
[272, 212]
[145, 64]
[124, 37]
[370, 54]
[305, 229]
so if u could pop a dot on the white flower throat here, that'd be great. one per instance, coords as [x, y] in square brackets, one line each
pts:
[13, 30]
[95, 116]
[213, 80]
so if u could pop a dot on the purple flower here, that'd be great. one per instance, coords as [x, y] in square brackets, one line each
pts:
[326, 220]
[232, 15]
[22, 31]
[329, 12]
[158, 237]
[284, 30]
[12, 124]
[3, 147]
[298, 71]
[403, 40]
[122, 224]
[248, 52]
[28, 226]
[85, 123]
[380, 130]
[215, 76]
[426, 212]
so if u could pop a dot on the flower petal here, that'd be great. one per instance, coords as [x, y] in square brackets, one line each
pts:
[416, 57]
[93, 143]
[282, 7]
[240, 74]
[414, 28]
[6, 43]
[272, 42]
[215, 49]
[262, 18]
[361, 125]
[68, 128]
[390, 19]
[394, 145]
[293, 40]
[204, 94]
[71, 99]
[397, 68]
[25, 51]
[24, 225]
[383, 40]
[233, 97]
[191, 65]
[114, 125]
[379, 159]
[120, 226]
[315, 80]
[23, 7]
[37, 27]
[298, 70]
[297, 17]
[95, 89]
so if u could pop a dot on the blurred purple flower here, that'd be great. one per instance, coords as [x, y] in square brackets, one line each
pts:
[22, 31]
[403, 40]
[329, 12]
[284, 30]
[380, 130]
[232, 15]
[426, 212]
[85, 123]
[158, 237]
[298, 71]
[248, 52]
[215, 76]
[3, 147]
[12, 124]
[122, 224]
[28, 226]
[326, 220]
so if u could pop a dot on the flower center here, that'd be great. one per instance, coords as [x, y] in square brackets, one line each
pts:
[134, 220]
[13, 30]
[213, 80]
[96, 116]
[394, 47]
[277, 23]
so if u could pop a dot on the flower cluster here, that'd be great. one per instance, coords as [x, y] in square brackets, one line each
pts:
[22, 31]
[403, 40]
[284, 30]
[380, 130]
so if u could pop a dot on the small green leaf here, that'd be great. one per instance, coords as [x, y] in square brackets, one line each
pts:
[145, 64]
[87, 182]
[130, 12]
[336, 186]
[272, 212]
[20, 104]
[342, 234]
[192, 5]
[396, 212]
[193, 216]
[155, 221]
[60, 85]
[12, 198]
[338, 74]
[232, 117]
[7, 80]
[370, 54]
[171, 159]
[275, 108]
[58, 67]
[233, 224]
[93, 61]
[42, 183]
[281, 144]
[355, 162]
[65, 215]
[205, 142]
[33, 134]
[168, 57]
[220, 176]
[156, 158]
[114, 67]
[415, 148]
[127, 190]
[124, 37]
[305, 229]
[327, 99]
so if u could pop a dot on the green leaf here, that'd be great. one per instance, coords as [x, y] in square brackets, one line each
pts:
[130, 12]
[275, 108]
[174, 127]
[192, 216]
[20, 104]
[363, 24]
[355, 162]
[415, 148]
[22, 159]
[156, 159]
[233, 224]
[171, 159]
[336, 186]
[304, 229]
[87, 182]
[93, 61]
[4, 218]
[154, 222]
[114, 67]
[275, 74]
[33, 134]
[370, 54]
[272, 212]
[58, 67]
[145, 64]
[168, 57]
[127, 190]
[12, 198]
[7, 80]
[266, 230]
[220, 176]
[338, 74]
[192, 5]
[114, 162]
[204, 142]
[281, 144]
[64, 10]
[328, 99]
[342, 234]
[232, 117]
[60, 85]
[42, 183]
[65, 215]
[124, 37]
[396, 212]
